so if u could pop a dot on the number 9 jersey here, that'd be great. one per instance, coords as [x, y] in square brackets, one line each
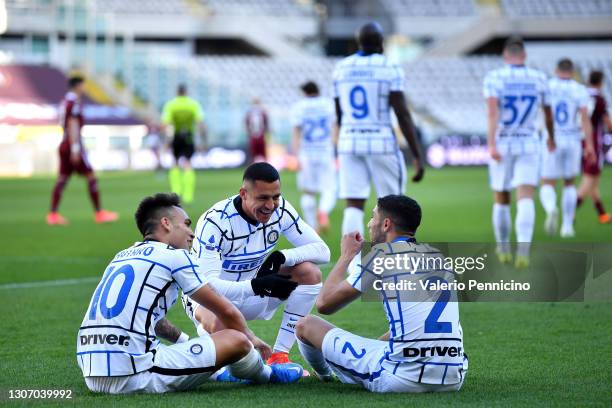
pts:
[117, 336]
[362, 83]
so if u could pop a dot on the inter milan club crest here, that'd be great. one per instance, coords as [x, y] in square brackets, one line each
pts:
[272, 237]
[196, 349]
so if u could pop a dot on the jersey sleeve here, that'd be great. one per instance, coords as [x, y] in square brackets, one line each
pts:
[357, 270]
[208, 248]
[187, 273]
[309, 247]
[397, 79]
[491, 86]
[583, 97]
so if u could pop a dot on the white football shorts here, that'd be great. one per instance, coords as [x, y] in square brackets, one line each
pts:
[386, 171]
[564, 163]
[178, 367]
[359, 360]
[514, 170]
[316, 174]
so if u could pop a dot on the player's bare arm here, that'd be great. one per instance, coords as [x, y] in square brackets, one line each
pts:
[167, 331]
[549, 121]
[295, 140]
[492, 118]
[73, 136]
[404, 119]
[587, 130]
[336, 292]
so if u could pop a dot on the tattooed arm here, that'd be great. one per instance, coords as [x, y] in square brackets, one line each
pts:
[168, 331]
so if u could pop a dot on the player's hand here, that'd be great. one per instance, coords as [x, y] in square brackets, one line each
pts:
[351, 244]
[262, 347]
[272, 264]
[419, 170]
[75, 158]
[278, 286]
[550, 144]
[494, 153]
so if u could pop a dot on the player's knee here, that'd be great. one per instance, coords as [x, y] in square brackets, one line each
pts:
[307, 273]
[302, 326]
[237, 342]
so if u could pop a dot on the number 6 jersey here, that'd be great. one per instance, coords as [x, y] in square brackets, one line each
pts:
[117, 336]
[363, 83]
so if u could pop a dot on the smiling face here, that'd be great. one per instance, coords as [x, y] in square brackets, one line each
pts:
[178, 224]
[260, 199]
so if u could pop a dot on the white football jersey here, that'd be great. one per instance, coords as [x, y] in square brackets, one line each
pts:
[231, 247]
[424, 324]
[117, 335]
[363, 83]
[567, 97]
[315, 117]
[520, 92]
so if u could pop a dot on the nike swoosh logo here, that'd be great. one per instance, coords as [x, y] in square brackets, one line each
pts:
[297, 369]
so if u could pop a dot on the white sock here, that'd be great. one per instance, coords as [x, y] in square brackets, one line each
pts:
[298, 305]
[525, 218]
[548, 197]
[502, 225]
[314, 357]
[327, 201]
[568, 203]
[308, 202]
[353, 221]
[251, 367]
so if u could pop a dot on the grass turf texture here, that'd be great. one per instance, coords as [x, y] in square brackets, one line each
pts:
[520, 354]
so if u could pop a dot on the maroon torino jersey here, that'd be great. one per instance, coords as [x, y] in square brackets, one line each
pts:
[71, 107]
[598, 111]
[256, 123]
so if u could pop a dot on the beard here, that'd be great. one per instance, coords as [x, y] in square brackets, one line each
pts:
[378, 237]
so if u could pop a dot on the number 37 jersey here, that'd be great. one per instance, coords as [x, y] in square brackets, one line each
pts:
[362, 83]
[520, 92]
[117, 336]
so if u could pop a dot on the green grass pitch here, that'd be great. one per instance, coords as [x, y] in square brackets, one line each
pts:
[527, 354]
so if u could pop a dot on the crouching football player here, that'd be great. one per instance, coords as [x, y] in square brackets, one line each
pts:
[423, 349]
[117, 345]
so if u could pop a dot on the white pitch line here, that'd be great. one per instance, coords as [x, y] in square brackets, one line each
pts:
[49, 283]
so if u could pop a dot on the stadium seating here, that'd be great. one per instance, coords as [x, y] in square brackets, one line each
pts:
[431, 8]
[275, 8]
[556, 8]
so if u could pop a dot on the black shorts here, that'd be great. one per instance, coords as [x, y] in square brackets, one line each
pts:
[182, 145]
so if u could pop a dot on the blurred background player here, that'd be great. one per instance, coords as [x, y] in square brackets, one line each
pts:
[313, 121]
[257, 127]
[402, 359]
[568, 99]
[184, 114]
[73, 157]
[513, 95]
[600, 120]
[366, 86]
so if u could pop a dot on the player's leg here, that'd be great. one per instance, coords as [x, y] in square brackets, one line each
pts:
[327, 180]
[355, 188]
[306, 184]
[388, 172]
[189, 175]
[174, 175]
[310, 332]
[551, 172]
[570, 169]
[525, 179]
[500, 176]
[602, 216]
[65, 170]
[298, 305]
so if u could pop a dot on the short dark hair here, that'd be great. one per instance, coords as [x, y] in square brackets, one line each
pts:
[74, 80]
[596, 77]
[514, 45]
[565, 65]
[370, 37]
[310, 88]
[403, 211]
[181, 89]
[261, 171]
[152, 208]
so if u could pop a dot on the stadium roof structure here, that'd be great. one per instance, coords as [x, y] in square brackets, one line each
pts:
[31, 94]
